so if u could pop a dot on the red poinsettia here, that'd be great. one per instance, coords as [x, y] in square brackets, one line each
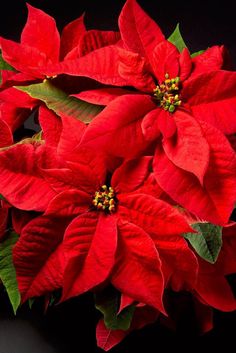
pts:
[41, 45]
[122, 230]
[136, 221]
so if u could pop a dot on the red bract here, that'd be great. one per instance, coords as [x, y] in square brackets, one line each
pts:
[21, 183]
[4, 211]
[41, 45]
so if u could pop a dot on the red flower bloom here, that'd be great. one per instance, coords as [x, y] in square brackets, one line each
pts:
[42, 46]
[111, 233]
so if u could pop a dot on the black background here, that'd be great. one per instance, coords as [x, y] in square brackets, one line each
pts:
[70, 327]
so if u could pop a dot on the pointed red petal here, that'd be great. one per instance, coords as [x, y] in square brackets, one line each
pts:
[71, 36]
[151, 188]
[134, 69]
[21, 182]
[102, 96]
[69, 203]
[40, 32]
[6, 138]
[185, 64]
[120, 134]
[73, 128]
[125, 301]
[138, 267]
[10, 78]
[86, 172]
[17, 98]
[215, 291]
[180, 265]
[163, 219]
[131, 174]
[212, 99]
[24, 58]
[215, 201]
[51, 125]
[150, 125]
[90, 244]
[94, 39]
[166, 124]
[188, 149]
[38, 257]
[165, 225]
[139, 32]
[165, 61]
[106, 338]
[100, 65]
[212, 59]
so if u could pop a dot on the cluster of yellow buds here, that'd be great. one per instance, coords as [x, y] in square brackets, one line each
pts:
[104, 199]
[167, 93]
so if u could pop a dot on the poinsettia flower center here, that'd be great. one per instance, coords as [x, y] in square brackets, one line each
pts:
[104, 199]
[167, 93]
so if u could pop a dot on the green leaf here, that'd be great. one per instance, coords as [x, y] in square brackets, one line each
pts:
[31, 302]
[207, 242]
[197, 53]
[2, 197]
[4, 65]
[58, 101]
[7, 270]
[38, 136]
[177, 39]
[107, 302]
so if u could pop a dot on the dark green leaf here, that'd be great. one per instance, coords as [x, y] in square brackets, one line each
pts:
[4, 65]
[7, 270]
[107, 302]
[207, 242]
[197, 53]
[31, 302]
[177, 39]
[2, 197]
[58, 101]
